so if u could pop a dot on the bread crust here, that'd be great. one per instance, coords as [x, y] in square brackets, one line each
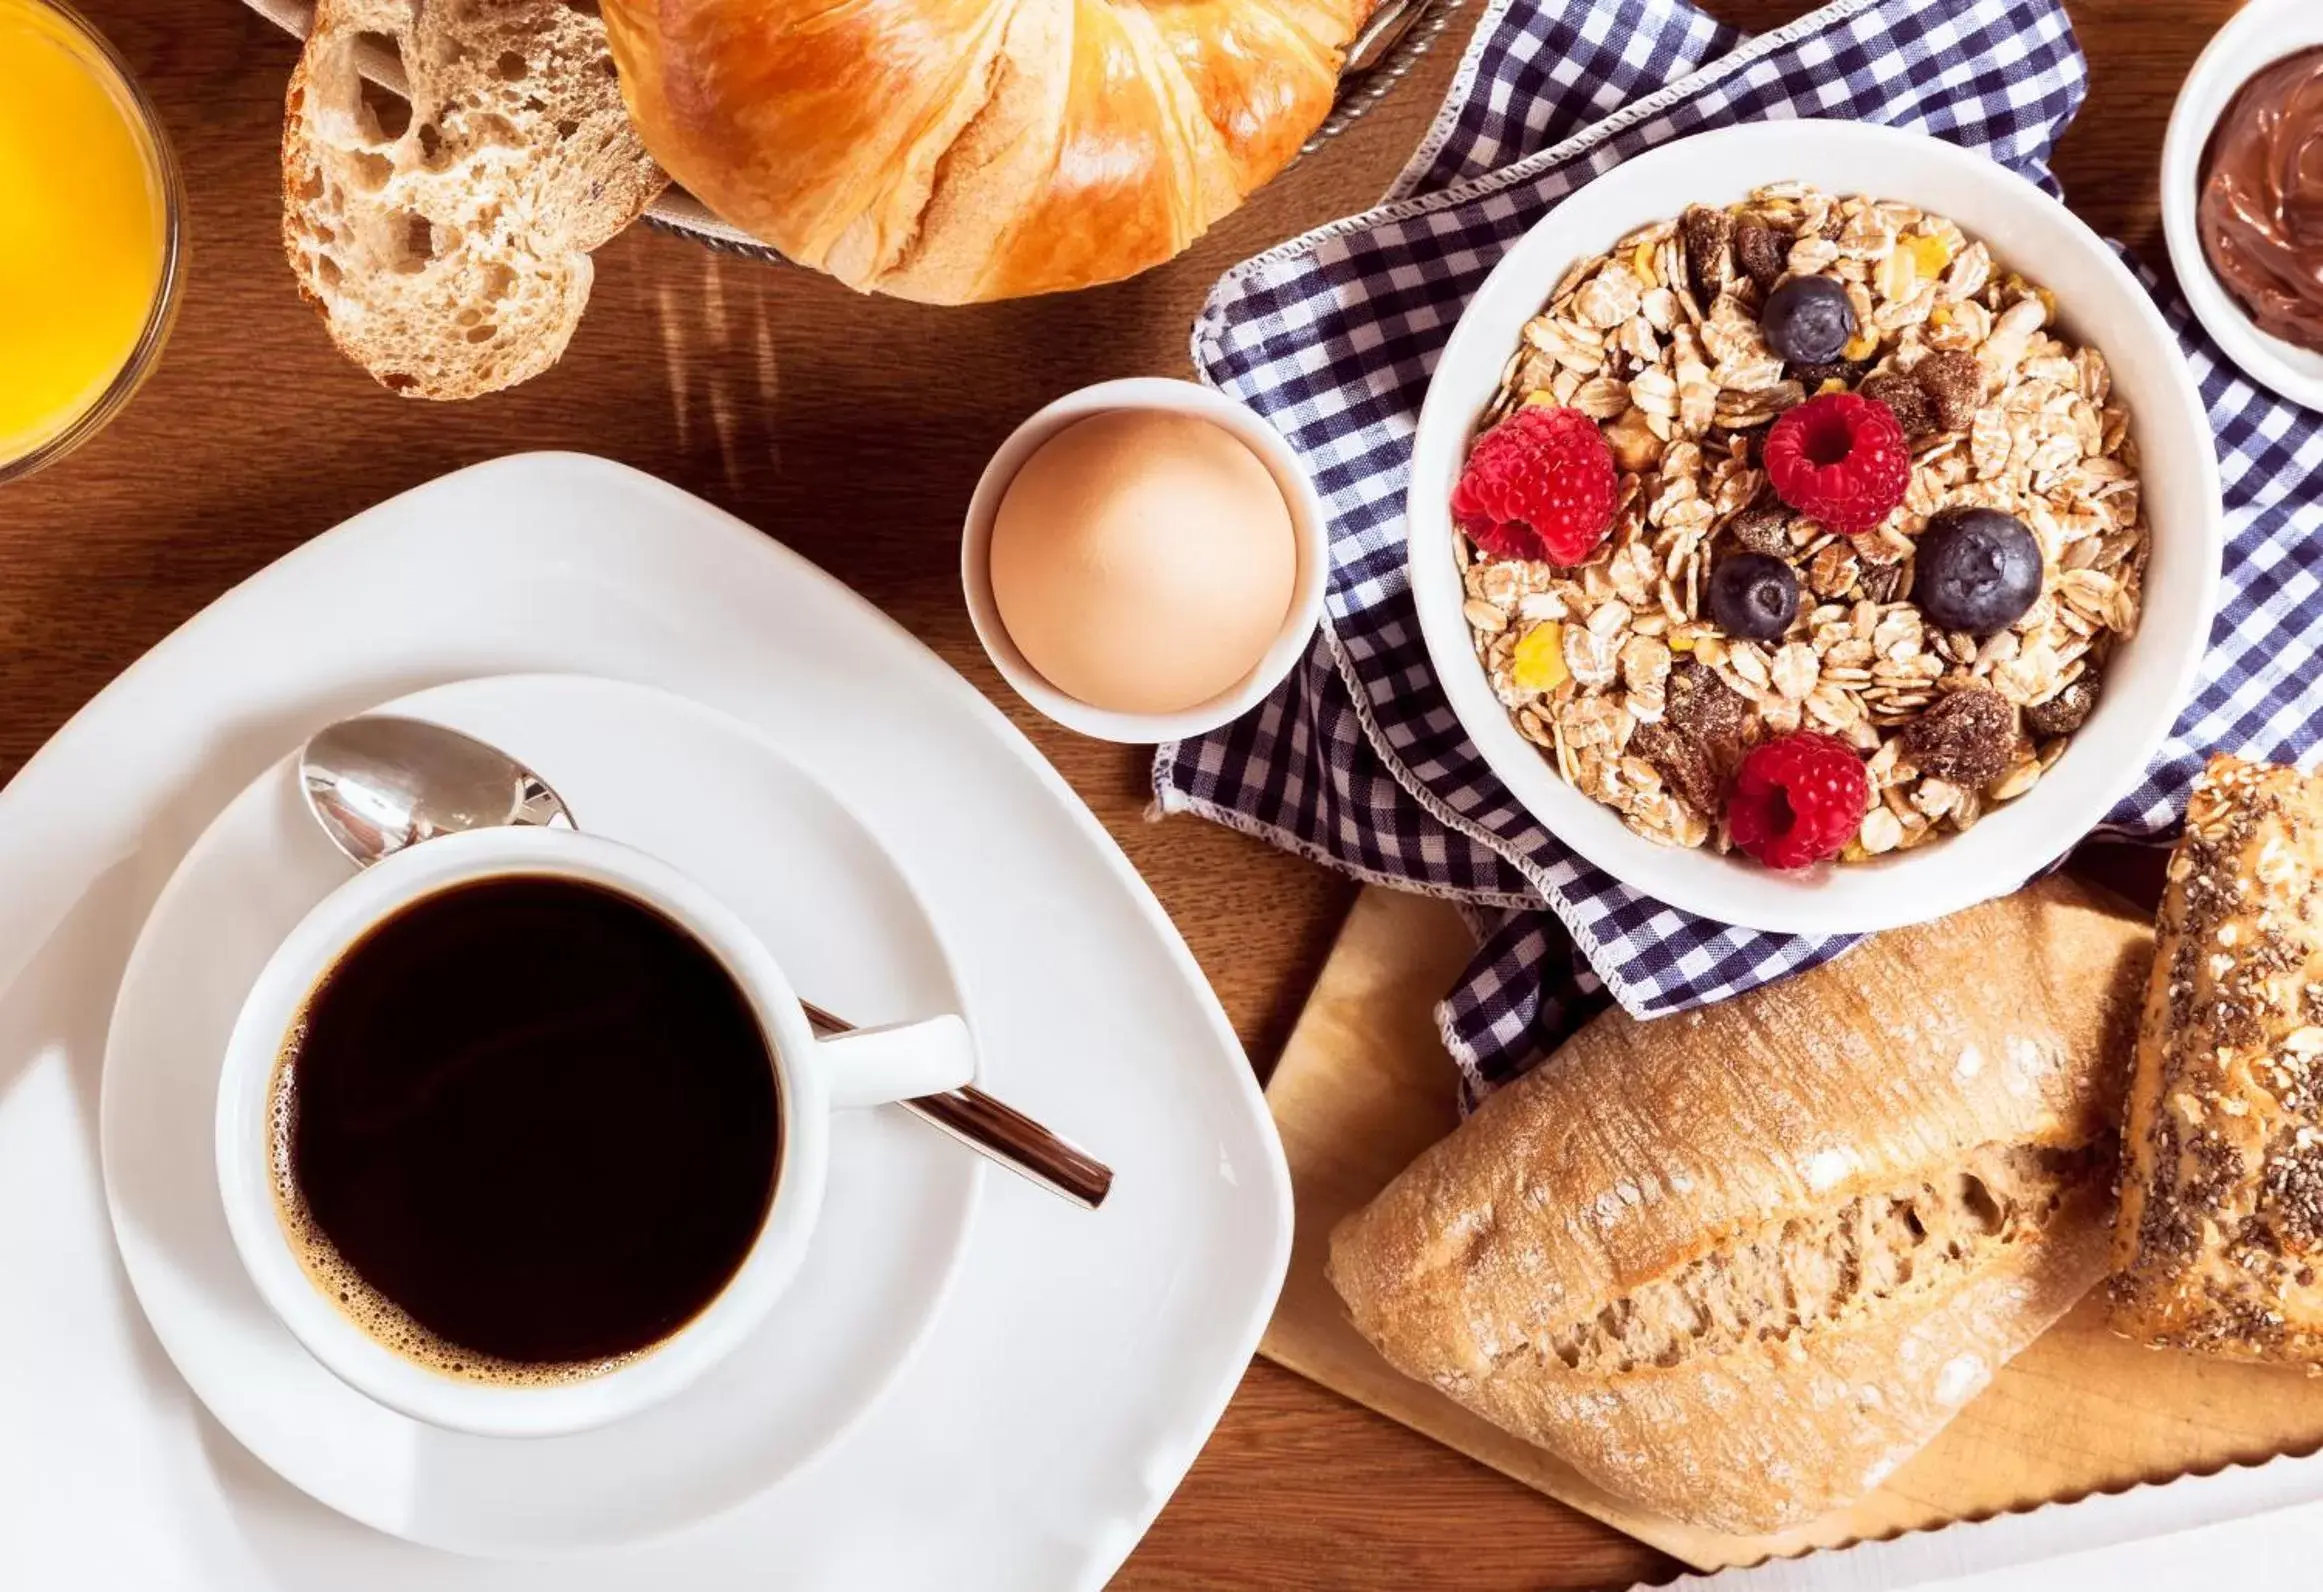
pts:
[2219, 1248]
[1841, 1103]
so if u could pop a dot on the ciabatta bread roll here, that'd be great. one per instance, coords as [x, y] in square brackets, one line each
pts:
[2220, 1247]
[1739, 1265]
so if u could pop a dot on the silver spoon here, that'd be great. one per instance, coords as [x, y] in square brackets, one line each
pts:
[379, 783]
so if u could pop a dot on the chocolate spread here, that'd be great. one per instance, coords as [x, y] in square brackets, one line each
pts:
[2262, 199]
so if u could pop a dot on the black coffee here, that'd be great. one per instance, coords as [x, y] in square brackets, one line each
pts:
[528, 1126]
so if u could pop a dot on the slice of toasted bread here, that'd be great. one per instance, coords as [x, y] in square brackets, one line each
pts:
[445, 235]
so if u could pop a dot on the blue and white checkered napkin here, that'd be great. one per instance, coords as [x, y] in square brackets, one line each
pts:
[1357, 761]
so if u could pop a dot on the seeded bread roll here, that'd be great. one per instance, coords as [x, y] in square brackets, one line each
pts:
[1738, 1265]
[2220, 1243]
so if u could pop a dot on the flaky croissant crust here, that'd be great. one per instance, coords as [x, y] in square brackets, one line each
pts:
[958, 150]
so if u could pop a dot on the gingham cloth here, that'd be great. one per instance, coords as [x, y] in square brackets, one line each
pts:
[1357, 761]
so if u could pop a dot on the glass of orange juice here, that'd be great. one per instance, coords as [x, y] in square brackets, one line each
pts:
[90, 234]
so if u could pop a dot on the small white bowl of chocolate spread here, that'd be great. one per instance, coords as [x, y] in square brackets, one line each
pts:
[2242, 194]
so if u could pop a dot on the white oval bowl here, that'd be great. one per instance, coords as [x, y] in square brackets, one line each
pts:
[2148, 677]
[2259, 35]
[1163, 394]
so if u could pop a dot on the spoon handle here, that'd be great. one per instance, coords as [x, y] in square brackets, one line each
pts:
[1001, 1133]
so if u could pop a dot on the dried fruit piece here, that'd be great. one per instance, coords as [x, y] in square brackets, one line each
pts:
[1705, 708]
[1882, 583]
[1954, 383]
[1702, 734]
[1636, 449]
[1842, 460]
[1765, 531]
[1930, 254]
[2065, 712]
[1684, 764]
[1706, 232]
[1967, 737]
[1540, 485]
[1763, 250]
[1797, 800]
[1915, 410]
[1538, 663]
[1846, 371]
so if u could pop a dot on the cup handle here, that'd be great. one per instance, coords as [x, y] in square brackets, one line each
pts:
[873, 1066]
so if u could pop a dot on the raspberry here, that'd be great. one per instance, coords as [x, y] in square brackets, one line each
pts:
[1540, 485]
[1840, 459]
[1797, 800]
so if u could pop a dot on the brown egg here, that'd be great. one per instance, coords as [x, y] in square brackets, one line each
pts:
[1143, 561]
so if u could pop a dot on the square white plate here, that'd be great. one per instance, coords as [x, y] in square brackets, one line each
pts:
[1081, 1361]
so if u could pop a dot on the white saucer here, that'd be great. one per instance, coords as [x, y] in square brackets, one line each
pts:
[700, 791]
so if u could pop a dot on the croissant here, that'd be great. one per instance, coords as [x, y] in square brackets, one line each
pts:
[959, 150]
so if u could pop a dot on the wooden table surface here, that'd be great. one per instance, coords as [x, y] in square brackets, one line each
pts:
[851, 428]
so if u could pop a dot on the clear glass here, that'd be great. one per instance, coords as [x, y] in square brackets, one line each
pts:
[77, 35]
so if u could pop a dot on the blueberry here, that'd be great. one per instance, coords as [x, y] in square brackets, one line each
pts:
[1976, 570]
[1754, 596]
[1809, 320]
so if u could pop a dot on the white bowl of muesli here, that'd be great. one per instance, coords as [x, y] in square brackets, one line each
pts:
[1815, 526]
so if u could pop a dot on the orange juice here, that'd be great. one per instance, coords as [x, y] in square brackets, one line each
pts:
[85, 229]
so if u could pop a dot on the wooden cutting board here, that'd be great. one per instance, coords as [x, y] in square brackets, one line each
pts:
[1364, 1086]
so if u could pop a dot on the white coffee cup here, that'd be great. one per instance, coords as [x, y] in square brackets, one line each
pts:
[813, 1078]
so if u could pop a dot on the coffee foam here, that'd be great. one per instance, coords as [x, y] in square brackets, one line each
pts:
[380, 1318]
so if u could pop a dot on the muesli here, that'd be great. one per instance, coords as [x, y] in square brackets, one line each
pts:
[1798, 528]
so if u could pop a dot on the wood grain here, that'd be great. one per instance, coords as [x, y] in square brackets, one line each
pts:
[851, 428]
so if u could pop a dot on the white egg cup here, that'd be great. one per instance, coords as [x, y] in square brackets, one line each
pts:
[1158, 395]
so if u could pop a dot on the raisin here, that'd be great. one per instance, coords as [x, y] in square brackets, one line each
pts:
[1967, 738]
